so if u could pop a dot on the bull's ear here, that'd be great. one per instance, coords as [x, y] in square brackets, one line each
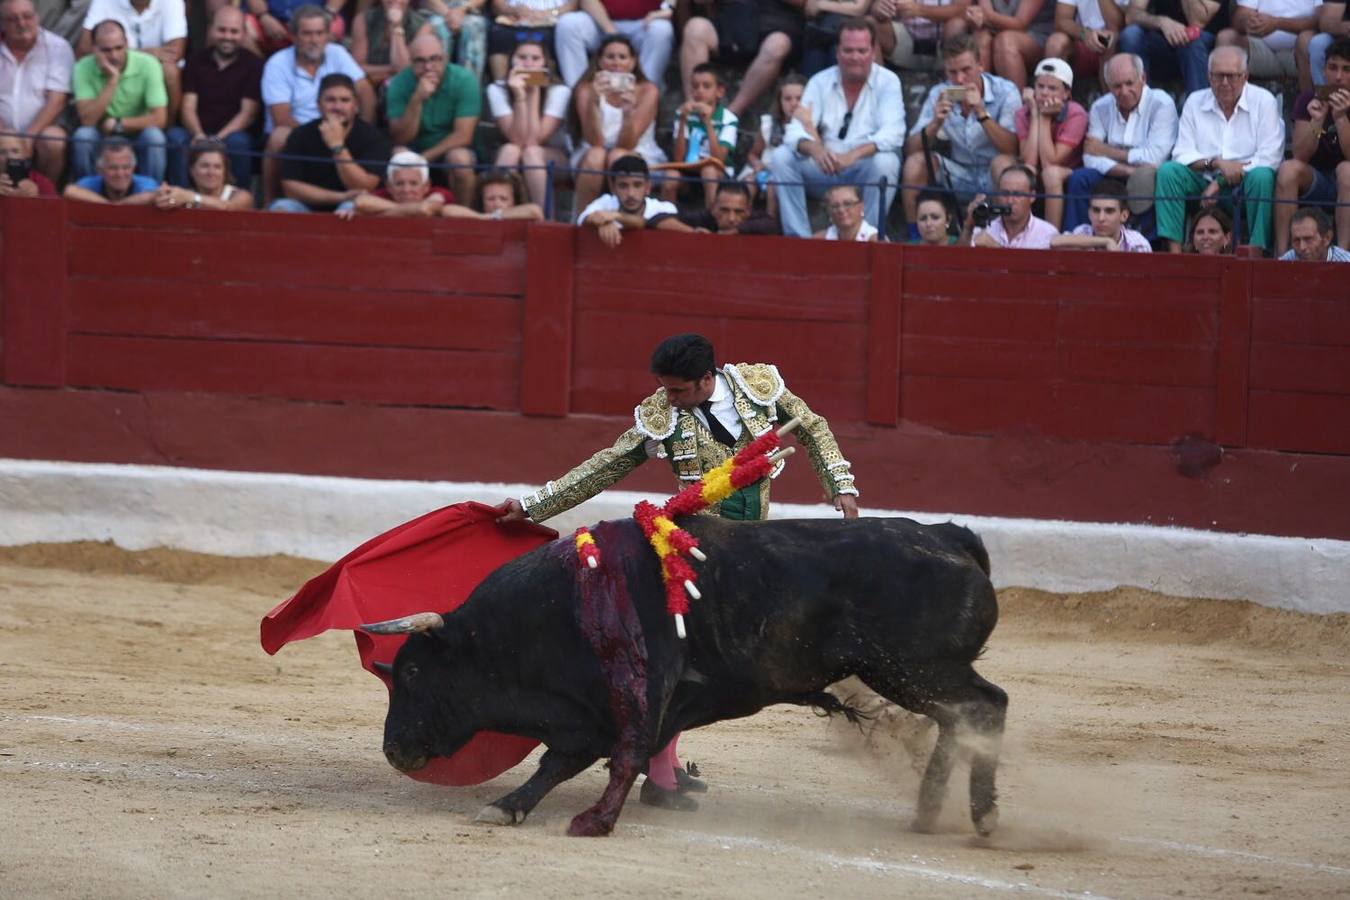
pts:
[407, 625]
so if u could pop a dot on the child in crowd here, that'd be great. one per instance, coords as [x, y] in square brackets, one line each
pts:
[787, 105]
[1050, 131]
[1105, 229]
[705, 134]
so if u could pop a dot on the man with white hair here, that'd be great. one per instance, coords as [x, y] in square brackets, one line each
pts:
[1230, 137]
[1131, 131]
[35, 67]
[408, 192]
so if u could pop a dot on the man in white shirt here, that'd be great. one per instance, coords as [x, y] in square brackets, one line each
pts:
[156, 27]
[1268, 31]
[860, 116]
[1230, 136]
[1131, 131]
[35, 67]
[629, 206]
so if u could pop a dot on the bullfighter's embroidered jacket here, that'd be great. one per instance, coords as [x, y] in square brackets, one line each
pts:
[659, 430]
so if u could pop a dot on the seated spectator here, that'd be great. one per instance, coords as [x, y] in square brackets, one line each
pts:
[155, 27]
[1013, 226]
[433, 108]
[646, 24]
[844, 204]
[501, 195]
[290, 85]
[381, 35]
[820, 37]
[1086, 32]
[1107, 214]
[934, 219]
[222, 99]
[1310, 237]
[629, 206]
[270, 22]
[1011, 34]
[1211, 233]
[63, 18]
[757, 38]
[35, 68]
[516, 22]
[18, 178]
[705, 135]
[463, 30]
[1333, 22]
[772, 126]
[209, 183]
[730, 213]
[1174, 37]
[530, 109]
[333, 159]
[119, 92]
[1230, 136]
[1318, 170]
[1268, 31]
[1050, 129]
[616, 107]
[116, 181]
[408, 192]
[911, 30]
[1131, 131]
[860, 120]
[980, 127]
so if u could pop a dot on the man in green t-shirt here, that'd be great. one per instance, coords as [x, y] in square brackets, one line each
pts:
[119, 91]
[433, 107]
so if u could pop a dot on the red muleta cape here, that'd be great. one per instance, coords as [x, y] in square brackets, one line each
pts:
[430, 564]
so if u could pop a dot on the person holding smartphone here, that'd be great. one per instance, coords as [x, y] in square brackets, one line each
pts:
[530, 109]
[1086, 33]
[18, 178]
[1318, 169]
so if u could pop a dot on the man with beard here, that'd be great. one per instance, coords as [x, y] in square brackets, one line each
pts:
[358, 152]
[35, 67]
[629, 206]
[221, 99]
[731, 213]
[291, 81]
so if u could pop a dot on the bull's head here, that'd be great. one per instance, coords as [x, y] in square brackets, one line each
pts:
[425, 717]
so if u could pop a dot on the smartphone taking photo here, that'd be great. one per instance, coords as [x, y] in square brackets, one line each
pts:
[17, 170]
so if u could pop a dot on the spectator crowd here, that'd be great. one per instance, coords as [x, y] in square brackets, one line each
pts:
[379, 108]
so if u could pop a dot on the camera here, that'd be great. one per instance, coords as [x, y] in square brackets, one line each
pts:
[17, 170]
[985, 212]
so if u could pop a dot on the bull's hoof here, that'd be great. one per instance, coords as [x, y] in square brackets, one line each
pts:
[495, 815]
[588, 824]
[925, 824]
[686, 783]
[651, 795]
[985, 824]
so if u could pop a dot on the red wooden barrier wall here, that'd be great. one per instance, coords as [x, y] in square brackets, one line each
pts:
[1027, 383]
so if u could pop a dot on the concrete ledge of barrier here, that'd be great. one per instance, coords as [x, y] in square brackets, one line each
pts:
[248, 514]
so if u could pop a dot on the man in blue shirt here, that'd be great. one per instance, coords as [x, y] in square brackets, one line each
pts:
[974, 113]
[1310, 235]
[116, 181]
[859, 117]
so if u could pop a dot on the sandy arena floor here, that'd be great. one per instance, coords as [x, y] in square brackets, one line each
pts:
[1155, 747]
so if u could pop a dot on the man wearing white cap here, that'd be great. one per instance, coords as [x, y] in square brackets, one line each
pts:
[1050, 129]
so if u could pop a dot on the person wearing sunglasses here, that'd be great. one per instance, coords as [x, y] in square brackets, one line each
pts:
[859, 115]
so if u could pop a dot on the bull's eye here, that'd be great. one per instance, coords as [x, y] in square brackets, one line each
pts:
[410, 672]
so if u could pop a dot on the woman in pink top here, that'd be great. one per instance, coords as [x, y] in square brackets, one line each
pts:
[1051, 128]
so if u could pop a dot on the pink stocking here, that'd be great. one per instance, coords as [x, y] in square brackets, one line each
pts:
[661, 767]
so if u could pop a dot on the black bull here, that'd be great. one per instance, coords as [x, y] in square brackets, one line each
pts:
[588, 662]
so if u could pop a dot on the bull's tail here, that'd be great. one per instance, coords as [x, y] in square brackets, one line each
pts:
[968, 541]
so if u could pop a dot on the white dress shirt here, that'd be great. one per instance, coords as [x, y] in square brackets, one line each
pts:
[723, 408]
[1253, 136]
[161, 22]
[1149, 133]
[878, 113]
[24, 85]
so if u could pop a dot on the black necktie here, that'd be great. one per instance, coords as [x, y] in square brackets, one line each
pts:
[718, 430]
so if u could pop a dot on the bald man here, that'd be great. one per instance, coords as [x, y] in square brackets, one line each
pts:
[222, 99]
[433, 108]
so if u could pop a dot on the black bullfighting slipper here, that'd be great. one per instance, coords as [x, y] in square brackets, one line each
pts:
[686, 783]
[651, 795]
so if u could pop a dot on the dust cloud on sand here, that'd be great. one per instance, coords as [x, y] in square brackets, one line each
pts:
[1155, 747]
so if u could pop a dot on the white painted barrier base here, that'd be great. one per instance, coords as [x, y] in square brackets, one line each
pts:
[248, 514]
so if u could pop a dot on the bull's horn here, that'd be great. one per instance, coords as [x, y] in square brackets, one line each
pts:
[782, 454]
[424, 621]
[386, 668]
[790, 426]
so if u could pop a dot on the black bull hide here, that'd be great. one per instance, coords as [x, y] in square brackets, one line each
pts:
[588, 662]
